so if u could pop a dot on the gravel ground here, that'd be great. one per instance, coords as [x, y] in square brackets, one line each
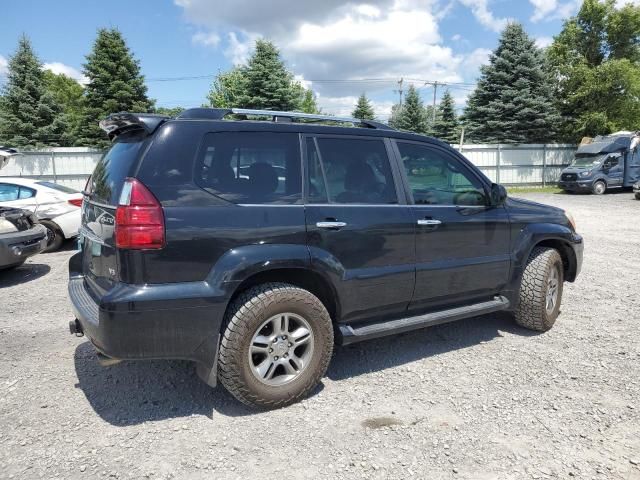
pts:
[477, 399]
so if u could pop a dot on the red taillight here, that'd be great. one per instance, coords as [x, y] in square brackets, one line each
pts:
[139, 218]
[76, 202]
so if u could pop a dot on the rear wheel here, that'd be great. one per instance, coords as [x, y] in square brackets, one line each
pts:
[54, 236]
[599, 187]
[541, 290]
[276, 346]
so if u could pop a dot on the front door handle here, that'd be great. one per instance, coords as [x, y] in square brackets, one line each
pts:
[429, 222]
[331, 225]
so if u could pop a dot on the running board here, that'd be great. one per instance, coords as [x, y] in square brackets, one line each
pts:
[380, 329]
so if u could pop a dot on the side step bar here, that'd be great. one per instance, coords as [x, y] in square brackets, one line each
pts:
[380, 329]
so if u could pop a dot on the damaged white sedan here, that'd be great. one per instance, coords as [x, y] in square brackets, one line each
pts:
[57, 207]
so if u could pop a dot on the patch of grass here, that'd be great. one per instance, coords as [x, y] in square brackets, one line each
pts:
[529, 189]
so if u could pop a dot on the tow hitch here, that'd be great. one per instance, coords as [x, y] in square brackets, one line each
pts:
[75, 328]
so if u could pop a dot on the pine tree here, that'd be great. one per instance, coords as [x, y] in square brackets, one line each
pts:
[446, 127]
[29, 115]
[513, 100]
[364, 109]
[115, 85]
[268, 84]
[412, 116]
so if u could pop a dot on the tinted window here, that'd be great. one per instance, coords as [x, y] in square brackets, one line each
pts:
[438, 179]
[250, 167]
[8, 192]
[55, 186]
[26, 193]
[350, 171]
[108, 177]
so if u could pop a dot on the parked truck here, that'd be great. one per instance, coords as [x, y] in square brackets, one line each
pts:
[606, 162]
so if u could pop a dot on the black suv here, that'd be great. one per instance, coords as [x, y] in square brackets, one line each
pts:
[251, 247]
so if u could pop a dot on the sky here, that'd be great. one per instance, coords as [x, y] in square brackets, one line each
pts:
[337, 48]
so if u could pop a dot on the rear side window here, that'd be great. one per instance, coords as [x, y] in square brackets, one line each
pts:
[251, 167]
[10, 192]
[349, 170]
[108, 177]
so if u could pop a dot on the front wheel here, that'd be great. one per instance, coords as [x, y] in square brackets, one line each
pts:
[599, 187]
[54, 236]
[276, 346]
[541, 290]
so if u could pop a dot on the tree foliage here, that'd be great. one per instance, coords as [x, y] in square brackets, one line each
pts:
[412, 115]
[68, 93]
[227, 88]
[29, 114]
[595, 61]
[363, 109]
[115, 85]
[513, 100]
[169, 111]
[447, 126]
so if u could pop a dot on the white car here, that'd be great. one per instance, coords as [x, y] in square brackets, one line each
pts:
[57, 207]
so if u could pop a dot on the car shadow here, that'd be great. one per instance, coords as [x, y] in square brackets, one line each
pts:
[393, 351]
[131, 393]
[23, 274]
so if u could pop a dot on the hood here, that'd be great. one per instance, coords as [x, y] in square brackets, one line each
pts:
[521, 203]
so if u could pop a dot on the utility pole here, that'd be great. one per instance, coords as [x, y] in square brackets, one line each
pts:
[400, 90]
[435, 91]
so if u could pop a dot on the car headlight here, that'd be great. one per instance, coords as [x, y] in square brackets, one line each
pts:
[6, 226]
[585, 174]
[572, 221]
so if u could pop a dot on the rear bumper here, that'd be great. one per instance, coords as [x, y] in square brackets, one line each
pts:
[578, 186]
[18, 246]
[135, 322]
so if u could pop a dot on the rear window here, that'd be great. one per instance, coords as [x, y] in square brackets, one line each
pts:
[59, 188]
[108, 177]
[251, 167]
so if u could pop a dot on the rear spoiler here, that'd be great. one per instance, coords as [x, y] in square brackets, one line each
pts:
[119, 123]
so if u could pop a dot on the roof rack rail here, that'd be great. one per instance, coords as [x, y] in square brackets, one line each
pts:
[277, 116]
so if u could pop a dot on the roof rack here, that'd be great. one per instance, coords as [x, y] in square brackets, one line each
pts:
[276, 116]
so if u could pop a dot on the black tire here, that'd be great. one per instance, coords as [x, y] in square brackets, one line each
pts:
[638, 196]
[532, 312]
[599, 187]
[55, 236]
[251, 309]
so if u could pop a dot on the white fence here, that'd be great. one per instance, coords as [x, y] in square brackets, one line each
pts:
[527, 164]
[67, 166]
[507, 164]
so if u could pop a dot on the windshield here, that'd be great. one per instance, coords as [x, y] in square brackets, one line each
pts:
[587, 160]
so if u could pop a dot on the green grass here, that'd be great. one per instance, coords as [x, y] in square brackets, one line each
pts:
[528, 189]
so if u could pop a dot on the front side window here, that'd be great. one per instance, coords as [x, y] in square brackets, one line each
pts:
[26, 193]
[348, 170]
[438, 179]
[251, 167]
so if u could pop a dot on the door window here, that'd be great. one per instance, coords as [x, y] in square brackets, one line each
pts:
[438, 179]
[250, 167]
[349, 170]
[10, 192]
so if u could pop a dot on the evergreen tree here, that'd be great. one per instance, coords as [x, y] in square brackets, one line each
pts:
[446, 127]
[169, 111]
[412, 116]
[364, 109]
[29, 115]
[513, 100]
[227, 88]
[268, 84]
[68, 93]
[595, 61]
[115, 85]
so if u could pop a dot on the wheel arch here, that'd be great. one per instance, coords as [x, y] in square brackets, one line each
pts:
[567, 254]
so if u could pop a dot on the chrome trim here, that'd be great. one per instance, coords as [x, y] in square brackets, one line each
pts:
[310, 116]
[429, 222]
[331, 224]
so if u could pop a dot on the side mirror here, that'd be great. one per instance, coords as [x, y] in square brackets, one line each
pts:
[498, 194]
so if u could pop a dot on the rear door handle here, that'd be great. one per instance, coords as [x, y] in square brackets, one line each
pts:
[429, 223]
[331, 225]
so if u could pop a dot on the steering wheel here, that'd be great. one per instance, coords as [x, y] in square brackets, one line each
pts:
[469, 197]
